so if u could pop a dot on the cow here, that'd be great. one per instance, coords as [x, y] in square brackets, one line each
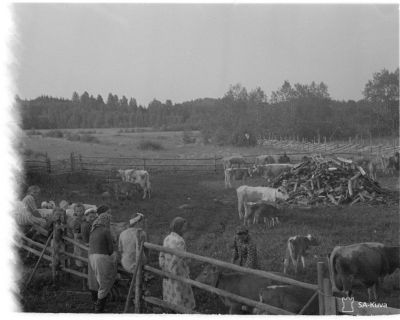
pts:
[393, 163]
[270, 171]
[237, 173]
[366, 262]
[228, 162]
[296, 249]
[138, 177]
[290, 298]
[260, 210]
[254, 194]
[241, 284]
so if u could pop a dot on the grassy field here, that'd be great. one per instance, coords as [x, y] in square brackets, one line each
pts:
[209, 207]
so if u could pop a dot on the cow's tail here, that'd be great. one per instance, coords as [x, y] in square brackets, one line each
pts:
[333, 273]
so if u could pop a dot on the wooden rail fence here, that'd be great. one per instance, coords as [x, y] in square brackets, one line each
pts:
[328, 304]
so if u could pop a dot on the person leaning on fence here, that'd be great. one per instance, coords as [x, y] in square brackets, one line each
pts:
[127, 242]
[244, 250]
[102, 259]
[174, 291]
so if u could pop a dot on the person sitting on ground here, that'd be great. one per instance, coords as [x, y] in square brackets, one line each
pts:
[102, 259]
[244, 249]
[127, 243]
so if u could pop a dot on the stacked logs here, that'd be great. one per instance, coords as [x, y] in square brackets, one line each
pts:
[329, 180]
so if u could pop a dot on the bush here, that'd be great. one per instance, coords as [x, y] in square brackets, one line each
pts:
[150, 145]
[89, 138]
[54, 134]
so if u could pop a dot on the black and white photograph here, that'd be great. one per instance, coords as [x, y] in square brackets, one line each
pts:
[230, 158]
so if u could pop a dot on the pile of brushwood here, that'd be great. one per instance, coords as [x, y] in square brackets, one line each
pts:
[329, 180]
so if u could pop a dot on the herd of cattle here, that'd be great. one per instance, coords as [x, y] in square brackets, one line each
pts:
[271, 166]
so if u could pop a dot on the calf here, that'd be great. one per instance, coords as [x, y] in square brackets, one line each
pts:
[254, 194]
[263, 211]
[244, 285]
[138, 177]
[290, 298]
[237, 173]
[365, 262]
[284, 158]
[296, 249]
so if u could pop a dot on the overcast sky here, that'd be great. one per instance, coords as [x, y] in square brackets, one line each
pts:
[188, 51]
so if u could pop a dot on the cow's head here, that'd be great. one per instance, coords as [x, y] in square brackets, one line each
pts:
[281, 193]
[312, 240]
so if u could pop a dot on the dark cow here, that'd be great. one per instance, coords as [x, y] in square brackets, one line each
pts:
[364, 262]
[296, 249]
[244, 285]
[284, 158]
[290, 298]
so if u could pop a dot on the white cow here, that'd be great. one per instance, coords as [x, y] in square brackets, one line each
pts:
[138, 177]
[254, 194]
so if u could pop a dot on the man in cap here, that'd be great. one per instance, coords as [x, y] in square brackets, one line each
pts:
[244, 249]
[127, 243]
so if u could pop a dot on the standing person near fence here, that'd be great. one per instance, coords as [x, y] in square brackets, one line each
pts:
[127, 242]
[27, 214]
[102, 259]
[90, 216]
[174, 291]
[244, 251]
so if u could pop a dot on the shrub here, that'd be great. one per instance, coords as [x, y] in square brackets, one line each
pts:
[89, 138]
[54, 134]
[150, 145]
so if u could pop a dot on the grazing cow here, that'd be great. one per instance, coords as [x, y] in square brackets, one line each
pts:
[244, 285]
[260, 210]
[296, 249]
[365, 262]
[270, 171]
[290, 298]
[237, 173]
[228, 162]
[254, 194]
[284, 158]
[138, 177]
[264, 159]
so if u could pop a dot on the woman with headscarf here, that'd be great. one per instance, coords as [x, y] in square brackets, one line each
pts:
[174, 291]
[244, 250]
[102, 260]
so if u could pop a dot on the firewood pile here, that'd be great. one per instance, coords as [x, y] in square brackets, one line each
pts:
[329, 181]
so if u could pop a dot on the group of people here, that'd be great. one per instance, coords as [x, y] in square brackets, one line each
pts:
[93, 228]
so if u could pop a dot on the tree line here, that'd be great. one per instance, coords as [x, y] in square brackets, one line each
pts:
[302, 111]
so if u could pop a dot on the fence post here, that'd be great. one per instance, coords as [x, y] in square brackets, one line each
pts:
[215, 163]
[53, 255]
[80, 162]
[320, 269]
[72, 162]
[330, 301]
[48, 164]
[144, 163]
[139, 261]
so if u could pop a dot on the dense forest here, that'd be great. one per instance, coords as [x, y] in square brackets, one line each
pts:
[302, 111]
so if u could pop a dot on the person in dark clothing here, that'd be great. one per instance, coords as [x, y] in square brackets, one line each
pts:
[244, 250]
[102, 258]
